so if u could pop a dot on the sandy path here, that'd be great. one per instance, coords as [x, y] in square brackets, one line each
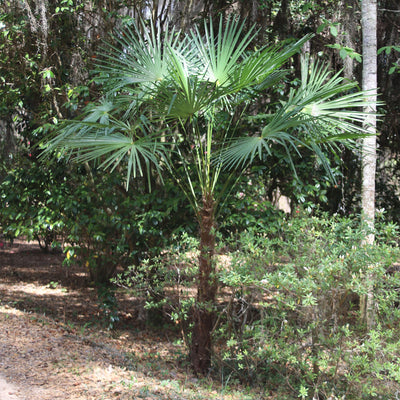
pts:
[8, 391]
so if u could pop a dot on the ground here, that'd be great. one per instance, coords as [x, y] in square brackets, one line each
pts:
[53, 346]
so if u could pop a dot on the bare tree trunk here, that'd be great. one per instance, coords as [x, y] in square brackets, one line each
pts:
[349, 35]
[204, 314]
[369, 82]
[282, 20]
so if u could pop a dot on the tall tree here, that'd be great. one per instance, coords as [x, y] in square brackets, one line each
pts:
[369, 83]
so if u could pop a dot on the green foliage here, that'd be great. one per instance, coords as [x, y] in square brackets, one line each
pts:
[333, 27]
[167, 70]
[387, 50]
[292, 320]
[102, 224]
[32, 203]
[386, 232]
[247, 207]
[165, 284]
[108, 227]
[345, 51]
[172, 98]
[373, 370]
[108, 306]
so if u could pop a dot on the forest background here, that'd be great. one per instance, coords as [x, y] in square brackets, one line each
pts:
[48, 53]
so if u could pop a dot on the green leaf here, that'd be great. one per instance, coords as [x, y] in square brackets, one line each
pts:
[324, 109]
[47, 73]
[343, 53]
[218, 54]
[334, 46]
[322, 27]
[388, 49]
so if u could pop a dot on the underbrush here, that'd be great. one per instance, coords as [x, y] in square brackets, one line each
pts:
[288, 320]
[293, 321]
[288, 316]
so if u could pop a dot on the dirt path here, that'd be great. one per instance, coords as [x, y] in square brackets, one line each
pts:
[45, 351]
[52, 346]
[47, 362]
[8, 391]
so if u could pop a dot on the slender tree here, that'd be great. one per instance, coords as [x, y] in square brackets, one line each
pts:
[369, 83]
[172, 100]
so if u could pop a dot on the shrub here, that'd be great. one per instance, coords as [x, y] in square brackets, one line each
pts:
[293, 319]
[31, 202]
[164, 283]
[100, 224]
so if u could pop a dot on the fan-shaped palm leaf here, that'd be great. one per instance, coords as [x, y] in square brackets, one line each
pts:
[258, 67]
[185, 93]
[319, 112]
[333, 103]
[105, 137]
[279, 130]
[140, 56]
[218, 55]
[116, 148]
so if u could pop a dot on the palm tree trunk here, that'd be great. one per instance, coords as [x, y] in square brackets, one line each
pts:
[203, 312]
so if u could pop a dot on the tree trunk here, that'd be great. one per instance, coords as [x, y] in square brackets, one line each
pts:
[349, 35]
[282, 24]
[369, 29]
[203, 312]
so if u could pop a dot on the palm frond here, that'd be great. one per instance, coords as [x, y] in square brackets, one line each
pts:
[185, 93]
[111, 140]
[331, 104]
[257, 67]
[139, 56]
[116, 148]
[325, 109]
[242, 151]
[218, 54]
[96, 118]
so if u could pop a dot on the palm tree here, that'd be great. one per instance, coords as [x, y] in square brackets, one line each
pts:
[171, 100]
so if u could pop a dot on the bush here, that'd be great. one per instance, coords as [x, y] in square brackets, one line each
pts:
[164, 285]
[293, 318]
[99, 224]
[109, 227]
[32, 202]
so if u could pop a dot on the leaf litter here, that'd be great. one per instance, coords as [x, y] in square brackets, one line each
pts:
[52, 346]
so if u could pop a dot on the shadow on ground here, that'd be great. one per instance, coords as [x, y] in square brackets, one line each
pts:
[34, 281]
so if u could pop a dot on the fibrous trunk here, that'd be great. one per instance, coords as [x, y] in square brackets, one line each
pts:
[203, 312]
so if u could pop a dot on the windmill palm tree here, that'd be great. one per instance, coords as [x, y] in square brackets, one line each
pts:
[169, 102]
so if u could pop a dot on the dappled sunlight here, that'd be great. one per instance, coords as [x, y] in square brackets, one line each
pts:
[31, 289]
[223, 261]
[92, 365]
[66, 306]
[169, 385]
[7, 311]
